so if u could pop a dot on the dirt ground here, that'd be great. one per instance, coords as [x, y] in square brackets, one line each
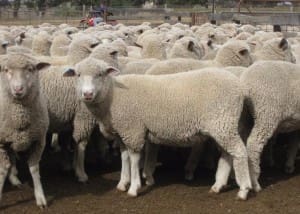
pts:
[171, 193]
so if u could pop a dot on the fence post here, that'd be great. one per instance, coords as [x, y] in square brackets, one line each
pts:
[83, 10]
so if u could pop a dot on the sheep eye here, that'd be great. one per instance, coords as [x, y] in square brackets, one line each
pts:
[30, 70]
[78, 75]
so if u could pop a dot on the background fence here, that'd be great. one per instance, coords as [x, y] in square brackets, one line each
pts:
[132, 16]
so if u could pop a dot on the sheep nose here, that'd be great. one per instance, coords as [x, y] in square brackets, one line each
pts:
[19, 89]
[88, 94]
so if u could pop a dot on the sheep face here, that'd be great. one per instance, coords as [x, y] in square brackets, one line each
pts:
[235, 53]
[19, 74]
[94, 79]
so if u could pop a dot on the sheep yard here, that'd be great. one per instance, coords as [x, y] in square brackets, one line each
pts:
[171, 193]
[151, 118]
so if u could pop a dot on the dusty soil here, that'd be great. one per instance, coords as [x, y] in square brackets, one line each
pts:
[171, 194]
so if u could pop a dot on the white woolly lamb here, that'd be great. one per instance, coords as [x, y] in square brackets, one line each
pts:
[118, 102]
[273, 99]
[24, 119]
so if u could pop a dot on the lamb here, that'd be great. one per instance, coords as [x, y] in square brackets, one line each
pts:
[139, 66]
[152, 46]
[120, 101]
[80, 48]
[19, 49]
[106, 52]
[24, 119]
[24, 39]
[73, 115]
[273, 101]
[121, 47]
[186, 47]
[60, 45]
[275, 49]
[41, 44]
[235, 53]
[66, 113]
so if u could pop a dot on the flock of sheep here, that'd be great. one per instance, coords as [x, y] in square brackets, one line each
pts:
[144, 86]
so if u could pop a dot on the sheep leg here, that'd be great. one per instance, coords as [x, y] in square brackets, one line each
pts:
[268, 152]
[258, 138]
[125, 170]
[223, 172]
[151, 153]
[135, 174]
[5, 164]
[38, 189]
[292, 151]
[13, 178]
[193, 160]
[55, 142]
[79, 166]
[64, 139]
[33, 163]
[235, 147]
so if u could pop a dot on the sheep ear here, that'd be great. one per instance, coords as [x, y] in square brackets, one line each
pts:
[209, 43]
[138, 45]
[114, 54]
[211, 36]
[191, 46]
[180, 36]
[243, 52]
[5, 44]
[94, 45]
[69, 73]
[42, 65]
[283, 44]
[22, 35]
[112, 71]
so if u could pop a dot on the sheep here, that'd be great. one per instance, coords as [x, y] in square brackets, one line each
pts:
[279, 51]
[66, 113]
[275, 49]
[120, 101]
[273, 102]
[19, 49]
[121, 47]
[106, 52]
[80, 48]
[41, 44]
[152, 46]
[231, 54]
[248, 29]
[24, 119]
[60, 45]
[139, 66]
[186, 47]
[73, 115]
[243, 36]
[24, 39]
[235, 53]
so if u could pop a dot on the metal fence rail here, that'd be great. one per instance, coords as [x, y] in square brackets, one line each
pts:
[156, 16]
